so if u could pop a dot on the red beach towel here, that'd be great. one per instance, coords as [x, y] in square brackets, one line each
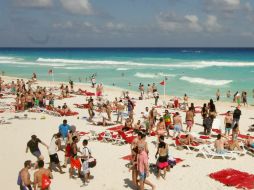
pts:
[232, 177]
[116, 128]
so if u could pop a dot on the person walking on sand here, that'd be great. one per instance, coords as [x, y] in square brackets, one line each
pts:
[33, 146]
[55, 145]
[42, 177]
[86, 154]
[24, 180]
[143, 169]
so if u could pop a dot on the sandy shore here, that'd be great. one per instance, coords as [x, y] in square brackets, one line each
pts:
[111, 172]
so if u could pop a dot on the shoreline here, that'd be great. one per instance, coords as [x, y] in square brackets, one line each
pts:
[132, 92]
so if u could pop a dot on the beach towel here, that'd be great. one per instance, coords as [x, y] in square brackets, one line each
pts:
[204, 137]
[128, 157]
[244, 136]
[70, 113]
[218, 131]
[116, 128]
[235, 178]
[1, 111]
[45, 182]
[82, 106]
[128, 139]
[82, 133]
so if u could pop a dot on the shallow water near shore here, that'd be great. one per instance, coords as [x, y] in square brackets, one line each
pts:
[198, 71]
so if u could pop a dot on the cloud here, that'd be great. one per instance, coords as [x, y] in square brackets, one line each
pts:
[169, 21]
[193, 23]
[34, 3]
[212, 24]
[227, 4]
[223, 5]
[247, 34]
[116, 26]
[65, 25]
[82, 7]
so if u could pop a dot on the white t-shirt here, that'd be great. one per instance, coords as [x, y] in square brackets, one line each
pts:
[86, 152]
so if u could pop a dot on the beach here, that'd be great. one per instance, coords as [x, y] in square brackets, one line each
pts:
[111, 172]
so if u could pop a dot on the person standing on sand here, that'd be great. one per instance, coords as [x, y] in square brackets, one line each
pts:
[177, 124]
[24, 180]
[185, 101]
[42, 177]
[244, 98]
[189, 119]
[75, 162]
[228, 123]
[236, 116]
[156, 97]
[86, 154]
[130, 106]
[143, 169]
[34, 148]
[167, 120]
[120, 109]
[63, 129]
[90, 109]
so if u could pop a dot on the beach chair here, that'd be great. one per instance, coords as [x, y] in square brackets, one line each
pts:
[190, 147]
[93, 135]
[208, 152]
[107, 137]
[119, 140]
[239, 153]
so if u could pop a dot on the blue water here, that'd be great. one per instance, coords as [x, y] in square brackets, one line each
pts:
[199, 72]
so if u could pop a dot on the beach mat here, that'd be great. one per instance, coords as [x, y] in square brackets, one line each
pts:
[116, 128]
[244, 136]
[235, 178]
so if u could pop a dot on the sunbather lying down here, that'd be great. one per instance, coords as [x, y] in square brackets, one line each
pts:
[189, 139]
[101, 123]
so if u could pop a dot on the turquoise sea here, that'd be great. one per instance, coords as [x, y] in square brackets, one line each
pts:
[199, 72]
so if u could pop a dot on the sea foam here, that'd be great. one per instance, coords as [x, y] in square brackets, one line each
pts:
[205, 81]
[184, 64]
[146, 75]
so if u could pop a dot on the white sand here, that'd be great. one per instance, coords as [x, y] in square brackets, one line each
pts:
[111, 172]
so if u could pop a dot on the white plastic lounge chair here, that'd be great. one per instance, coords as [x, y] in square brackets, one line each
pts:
[208, 152]
[93, 135]
[107, 137]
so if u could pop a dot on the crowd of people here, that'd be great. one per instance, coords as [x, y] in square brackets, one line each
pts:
[163, 125]
[66, 139]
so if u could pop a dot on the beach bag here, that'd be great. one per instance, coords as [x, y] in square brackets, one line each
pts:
[92, 162]
[45, 182]
[19, 181]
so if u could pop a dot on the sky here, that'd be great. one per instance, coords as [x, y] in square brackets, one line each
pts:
[126, 23]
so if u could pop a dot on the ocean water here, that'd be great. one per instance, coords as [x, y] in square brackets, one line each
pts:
[199, 72]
